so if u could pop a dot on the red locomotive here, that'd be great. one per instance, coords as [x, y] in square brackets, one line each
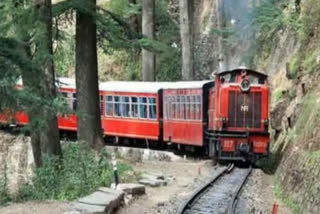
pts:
[226, 119]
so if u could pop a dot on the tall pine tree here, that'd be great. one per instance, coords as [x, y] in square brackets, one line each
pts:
[89, 119]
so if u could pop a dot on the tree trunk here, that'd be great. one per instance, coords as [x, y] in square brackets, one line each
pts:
[148, 58]
[222, 59]
[29, 78]
[89, 119]
[186, 32]
[49, 136]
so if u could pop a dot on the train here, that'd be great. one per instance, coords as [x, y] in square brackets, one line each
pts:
[226, 118]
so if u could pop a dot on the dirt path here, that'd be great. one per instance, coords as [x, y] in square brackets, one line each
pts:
[158, 200]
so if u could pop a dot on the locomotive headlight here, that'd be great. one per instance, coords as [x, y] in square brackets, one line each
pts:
[244, 148]
[245, 85]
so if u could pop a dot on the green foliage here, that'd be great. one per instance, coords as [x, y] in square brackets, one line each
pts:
[315, 157]
[269, 19]
[133, 68]
[123, 7]
[293, 93]
[168, 63]
[305, 63]
[168, 67]
[294, 66]
[277, 95]
[64, 56]
[309, 115]
[79, 173]
[310, 65]
[309, 19]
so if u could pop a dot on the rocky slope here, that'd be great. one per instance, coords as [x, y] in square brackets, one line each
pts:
[292, 60]
[285, 44]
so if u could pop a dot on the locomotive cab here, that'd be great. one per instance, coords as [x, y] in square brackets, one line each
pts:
[238, 115]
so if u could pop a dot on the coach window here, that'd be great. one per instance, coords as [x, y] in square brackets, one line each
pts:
[117, 105]
[183, 107]
[65, 98]
[165, 107]
[187, 107]
[109, 105]
[173, 107]
[143, 107]
[74, 101]
[125, 106]
[198, 108]
[152, 108]
[192, 107]
[178, 107]
[134, 107]
[101, 105]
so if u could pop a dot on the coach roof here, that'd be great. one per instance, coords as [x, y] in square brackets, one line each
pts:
[135, 86]
[149, 87]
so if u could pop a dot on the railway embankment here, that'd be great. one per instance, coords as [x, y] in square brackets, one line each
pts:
[294, 64]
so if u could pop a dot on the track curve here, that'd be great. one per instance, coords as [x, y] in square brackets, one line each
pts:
[219, 195]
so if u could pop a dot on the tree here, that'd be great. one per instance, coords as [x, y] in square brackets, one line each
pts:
[148, 58]
[186, 32]
[89, 119]
[49, 136]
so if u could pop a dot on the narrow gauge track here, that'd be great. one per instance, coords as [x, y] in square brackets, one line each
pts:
[220, 195]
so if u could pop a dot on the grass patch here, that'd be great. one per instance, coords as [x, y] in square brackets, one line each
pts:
[80, 173]
[310, 64]
[292, 205]
[277, 95]
[308, 116]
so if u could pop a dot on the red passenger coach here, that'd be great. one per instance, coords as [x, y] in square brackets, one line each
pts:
[185, 107]
[67, 88]
[131, 109]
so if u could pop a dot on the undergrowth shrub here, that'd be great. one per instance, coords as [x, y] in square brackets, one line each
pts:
[309, 116]
[79, 173]
[276, 95]
[305, 63]
[310, 18]
[269, 19]
[293, 206]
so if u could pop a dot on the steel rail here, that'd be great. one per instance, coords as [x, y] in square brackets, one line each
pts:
[234, 200]
[202, 190]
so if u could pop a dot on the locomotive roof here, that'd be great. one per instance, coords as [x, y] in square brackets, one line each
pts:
[240, 69]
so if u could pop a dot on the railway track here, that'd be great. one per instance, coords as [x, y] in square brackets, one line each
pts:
[220, 194]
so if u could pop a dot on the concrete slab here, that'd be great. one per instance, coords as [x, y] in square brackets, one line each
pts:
[132, 189]
[153, 180]
[153, 183]
[89, 208]
[103, 200]
[72, 212]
